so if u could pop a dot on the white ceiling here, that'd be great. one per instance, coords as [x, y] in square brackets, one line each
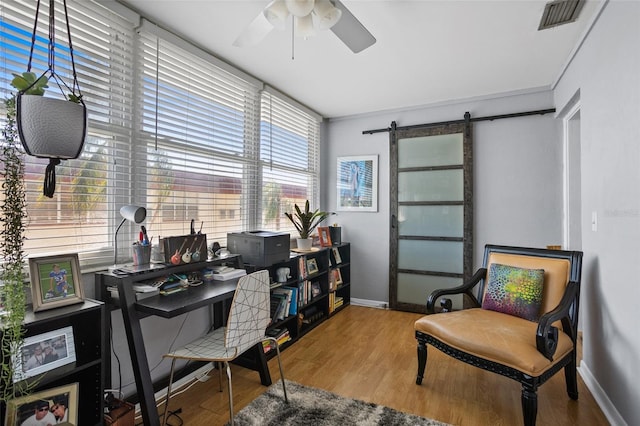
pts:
[427, 51]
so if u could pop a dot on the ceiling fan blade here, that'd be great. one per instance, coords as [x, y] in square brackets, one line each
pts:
[255, 32]
[351, 31]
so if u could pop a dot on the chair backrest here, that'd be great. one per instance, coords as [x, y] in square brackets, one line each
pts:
[559, 266]
[250, 312]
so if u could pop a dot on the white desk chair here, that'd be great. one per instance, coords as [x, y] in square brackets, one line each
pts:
[248, 319]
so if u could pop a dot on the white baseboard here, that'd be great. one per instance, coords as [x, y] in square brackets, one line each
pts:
[160, 396]
[609, 410]
[369, 303]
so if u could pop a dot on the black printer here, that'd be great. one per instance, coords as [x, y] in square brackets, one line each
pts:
[259, 248]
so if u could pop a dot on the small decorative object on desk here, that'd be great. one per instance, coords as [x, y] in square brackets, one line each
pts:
[185, 249]
[55, 281]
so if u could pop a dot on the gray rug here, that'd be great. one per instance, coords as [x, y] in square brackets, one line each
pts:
[316, 407]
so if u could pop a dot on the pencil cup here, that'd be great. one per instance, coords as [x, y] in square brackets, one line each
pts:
[141, 254]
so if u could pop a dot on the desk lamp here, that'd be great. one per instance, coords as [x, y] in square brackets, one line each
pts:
[131, 213]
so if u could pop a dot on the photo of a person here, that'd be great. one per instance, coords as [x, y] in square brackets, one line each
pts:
[59, 278]
[60, 408]
[42, 415]
[36, 359]
[50, 354]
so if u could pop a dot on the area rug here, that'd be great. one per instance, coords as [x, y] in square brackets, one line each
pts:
[317, 407]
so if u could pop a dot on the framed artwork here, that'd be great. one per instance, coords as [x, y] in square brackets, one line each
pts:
[44, 352]
[51, 406]
[55, 281]
[312, 266]
[325, 236]
[357, 183]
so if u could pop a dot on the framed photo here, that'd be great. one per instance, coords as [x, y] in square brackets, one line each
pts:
[55, 281]
[51, 406]
[337, 276]
[325, 236]
[336, 255]
[315, 289]
[44, 352]
[357, 183]
[312, 266]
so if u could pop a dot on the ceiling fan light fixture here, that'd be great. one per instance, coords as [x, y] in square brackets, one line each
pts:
[325, 14]
[277, 13]
[300, 8]
[304, 26]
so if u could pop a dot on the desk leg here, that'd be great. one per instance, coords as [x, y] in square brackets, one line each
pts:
[141, 372]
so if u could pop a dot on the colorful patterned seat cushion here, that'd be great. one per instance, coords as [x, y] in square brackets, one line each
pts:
[514, 291]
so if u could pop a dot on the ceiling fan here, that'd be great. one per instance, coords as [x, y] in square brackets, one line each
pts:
[309, 16]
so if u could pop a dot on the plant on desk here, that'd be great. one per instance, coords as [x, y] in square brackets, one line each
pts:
[306, 222]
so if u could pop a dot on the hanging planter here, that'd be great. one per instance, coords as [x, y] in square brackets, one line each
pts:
[48, 127]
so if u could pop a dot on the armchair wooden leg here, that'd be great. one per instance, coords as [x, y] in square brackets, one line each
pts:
[422, 361]
[529, 406]
[571, 378]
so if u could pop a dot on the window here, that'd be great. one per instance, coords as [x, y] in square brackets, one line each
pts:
[171, 128]
[289, 152]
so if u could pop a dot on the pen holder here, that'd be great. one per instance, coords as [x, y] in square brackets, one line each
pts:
[141, 254]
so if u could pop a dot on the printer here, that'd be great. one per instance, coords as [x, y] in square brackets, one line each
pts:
[259, 248]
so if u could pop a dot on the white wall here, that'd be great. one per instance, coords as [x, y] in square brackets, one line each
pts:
[606, 75]
[517, 180]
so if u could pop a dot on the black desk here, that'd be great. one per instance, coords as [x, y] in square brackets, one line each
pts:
[219, 294]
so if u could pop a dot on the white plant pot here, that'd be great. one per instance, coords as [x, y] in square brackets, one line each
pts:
[51, 128]
[305, 243]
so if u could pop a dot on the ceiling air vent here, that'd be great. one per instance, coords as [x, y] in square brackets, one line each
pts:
[560, 12]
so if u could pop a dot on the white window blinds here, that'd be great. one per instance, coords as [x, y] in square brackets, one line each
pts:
[171, 128]
[78, 217]
[289, 152]
[197, 155]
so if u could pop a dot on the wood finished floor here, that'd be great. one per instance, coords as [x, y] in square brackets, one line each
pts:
[370, 354]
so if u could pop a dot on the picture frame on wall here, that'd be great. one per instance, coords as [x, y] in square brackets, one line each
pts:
[55, 281]
[52, 406]
[357, 183]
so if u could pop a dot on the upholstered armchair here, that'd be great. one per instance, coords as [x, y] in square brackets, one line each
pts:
[523, 322]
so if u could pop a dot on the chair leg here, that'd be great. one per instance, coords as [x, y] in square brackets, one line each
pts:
[571, 378]
[219, 367]
[284, 388]
[422, 361]
[226, 364]
[166, 403]
[529, 405]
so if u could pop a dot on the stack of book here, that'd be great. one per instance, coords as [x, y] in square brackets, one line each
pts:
[280, 334]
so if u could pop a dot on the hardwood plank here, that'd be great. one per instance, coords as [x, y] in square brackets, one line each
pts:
[370, 354]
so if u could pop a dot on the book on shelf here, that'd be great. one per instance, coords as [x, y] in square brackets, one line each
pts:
[292, 298]
[288, 294]
[278, 304]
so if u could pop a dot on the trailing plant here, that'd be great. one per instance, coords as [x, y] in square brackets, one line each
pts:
[306, 221]
[12, 276]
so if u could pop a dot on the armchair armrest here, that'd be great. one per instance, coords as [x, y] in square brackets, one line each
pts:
[547, 334]
[464, 288]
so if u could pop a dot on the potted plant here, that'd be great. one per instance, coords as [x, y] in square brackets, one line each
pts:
[12, 287]
[306, 222]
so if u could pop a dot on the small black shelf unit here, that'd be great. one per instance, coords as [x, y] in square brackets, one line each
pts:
[87, 321]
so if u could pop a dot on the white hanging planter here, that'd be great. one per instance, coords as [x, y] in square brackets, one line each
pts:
[51, 128]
